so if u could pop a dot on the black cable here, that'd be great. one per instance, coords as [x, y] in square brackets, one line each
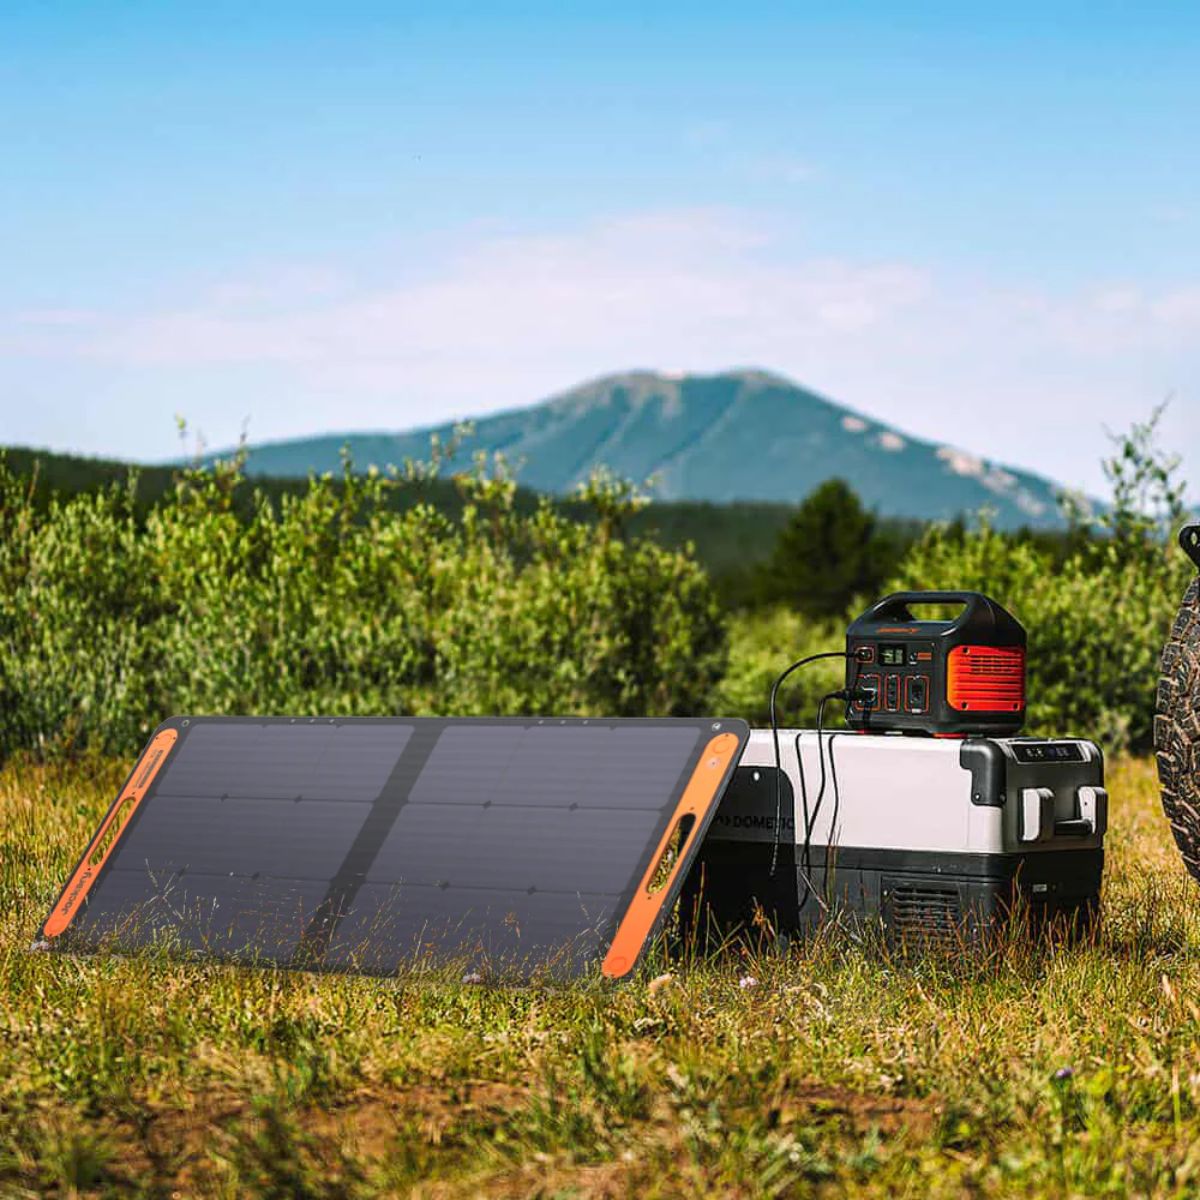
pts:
[809, 888]
[837, 804]
[800, 662]
[846, 695]
[810, 820]
[807, 824]
[849, 695]
[811, 825]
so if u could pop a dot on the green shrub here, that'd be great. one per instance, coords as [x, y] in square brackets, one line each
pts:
[1097, 604]
[1096, 624]
[762, 644]
[1097, 617]
[332, 602]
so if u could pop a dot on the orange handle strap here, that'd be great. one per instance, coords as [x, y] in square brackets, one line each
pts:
[109, 833]
[644, 908]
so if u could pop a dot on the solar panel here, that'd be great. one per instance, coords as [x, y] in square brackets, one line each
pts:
[376, 844]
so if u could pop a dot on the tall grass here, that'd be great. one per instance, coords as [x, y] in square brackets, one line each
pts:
[1071, 1071]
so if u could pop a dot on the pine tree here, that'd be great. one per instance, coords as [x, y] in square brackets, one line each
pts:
[830, 553]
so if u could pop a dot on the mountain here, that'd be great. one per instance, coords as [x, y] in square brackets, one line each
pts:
[739, 435]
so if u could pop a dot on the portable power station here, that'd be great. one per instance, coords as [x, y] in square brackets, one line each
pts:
[929, 838]
[956, 675]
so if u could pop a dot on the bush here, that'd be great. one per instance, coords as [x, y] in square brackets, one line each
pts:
[1097, 604]
[1096, 624]
[332, 602]
[1097, 617]
[762, 644]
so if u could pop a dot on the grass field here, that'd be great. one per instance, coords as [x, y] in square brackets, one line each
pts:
[1035, 1073]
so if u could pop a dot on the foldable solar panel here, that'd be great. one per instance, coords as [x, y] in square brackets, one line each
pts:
[373, 844]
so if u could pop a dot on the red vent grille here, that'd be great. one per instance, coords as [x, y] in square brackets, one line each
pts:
[986, 679]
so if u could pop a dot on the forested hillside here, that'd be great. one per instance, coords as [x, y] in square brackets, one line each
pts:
[730, 540]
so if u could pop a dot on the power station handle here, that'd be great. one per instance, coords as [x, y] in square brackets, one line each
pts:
[897, 606]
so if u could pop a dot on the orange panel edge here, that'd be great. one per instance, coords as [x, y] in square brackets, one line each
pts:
[644, 908]
[80, 883]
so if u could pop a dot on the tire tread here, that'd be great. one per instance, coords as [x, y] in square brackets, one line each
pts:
[1177, 729]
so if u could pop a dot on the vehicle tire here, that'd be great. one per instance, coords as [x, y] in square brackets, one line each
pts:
[1177, 729]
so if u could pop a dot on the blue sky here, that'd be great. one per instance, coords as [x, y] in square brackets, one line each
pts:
[983, 227]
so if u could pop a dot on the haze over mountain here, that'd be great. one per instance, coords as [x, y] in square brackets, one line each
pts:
[739, 435]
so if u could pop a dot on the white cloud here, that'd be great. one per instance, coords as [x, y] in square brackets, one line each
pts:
[1179, 310]
[1108, 319]
[1021, 375]
[632, 288]
[1117, 299]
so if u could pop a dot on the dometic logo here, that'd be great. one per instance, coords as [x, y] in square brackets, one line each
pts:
[898, 629]
[754, 821]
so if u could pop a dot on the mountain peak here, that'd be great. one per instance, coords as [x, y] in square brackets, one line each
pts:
[741, 434]
[642, 379]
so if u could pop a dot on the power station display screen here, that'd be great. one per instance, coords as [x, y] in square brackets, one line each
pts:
[371, 845]
[892, 655]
